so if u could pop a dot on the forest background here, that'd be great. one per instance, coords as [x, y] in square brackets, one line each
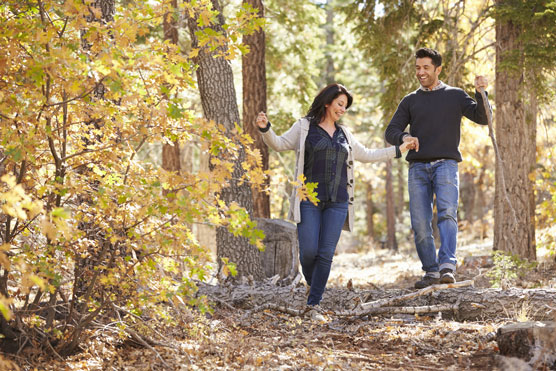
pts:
[122, 154]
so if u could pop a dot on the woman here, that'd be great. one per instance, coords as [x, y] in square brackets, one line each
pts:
[325, 152]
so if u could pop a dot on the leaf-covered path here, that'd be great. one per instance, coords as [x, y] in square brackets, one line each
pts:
[281, 342]
[235, 337]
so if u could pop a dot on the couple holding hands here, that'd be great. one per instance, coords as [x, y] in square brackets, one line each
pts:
[326, 151]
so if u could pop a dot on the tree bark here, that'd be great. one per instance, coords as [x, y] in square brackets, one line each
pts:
[330, 70]
[467, 191]
[218, 98]
[401, 190]
[516, 137]
[171, 152]
[370, 211]
[391, 241]
[435, 230]
[281, 255]
[254, 101]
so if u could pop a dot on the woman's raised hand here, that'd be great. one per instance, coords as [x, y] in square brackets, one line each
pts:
[262, 120]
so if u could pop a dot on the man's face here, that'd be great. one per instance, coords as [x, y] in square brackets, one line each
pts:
[426, 73]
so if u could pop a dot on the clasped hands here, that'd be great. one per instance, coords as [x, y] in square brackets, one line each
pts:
[409, 142]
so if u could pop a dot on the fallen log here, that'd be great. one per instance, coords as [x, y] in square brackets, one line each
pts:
[489, 303]
[462, 303]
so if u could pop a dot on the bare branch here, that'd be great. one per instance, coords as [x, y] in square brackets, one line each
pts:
[425, 291]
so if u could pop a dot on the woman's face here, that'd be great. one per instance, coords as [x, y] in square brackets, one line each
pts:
[337, 107]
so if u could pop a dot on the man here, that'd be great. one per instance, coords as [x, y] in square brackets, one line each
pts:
[434, 113]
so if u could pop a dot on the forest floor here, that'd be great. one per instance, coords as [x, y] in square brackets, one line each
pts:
[271, 340]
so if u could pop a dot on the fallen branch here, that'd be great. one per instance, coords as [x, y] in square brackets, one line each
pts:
[475, 303]
[53, 350]
[379, 306]
[276, 307]
[221, 302]
[425, 291]
[144, 343]
[139, 339]
[295, 281]
[151, 341]
[408, 310]
[352, 355]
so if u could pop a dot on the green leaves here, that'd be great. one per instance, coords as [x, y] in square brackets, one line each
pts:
[174, 111]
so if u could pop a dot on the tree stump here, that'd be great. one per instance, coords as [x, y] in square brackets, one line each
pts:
[281, 255]
[534, 342]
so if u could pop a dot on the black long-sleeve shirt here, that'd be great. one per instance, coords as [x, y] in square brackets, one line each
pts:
[434, 118]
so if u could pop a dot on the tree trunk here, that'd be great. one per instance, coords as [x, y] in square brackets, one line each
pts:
[435, 230]
[171, 152]
[218, 97]
[467, 191]
[516, 137]
[254, 101]
[480, 201]
[401, 190]
[391, 241]
[370, 211]
[329, 29]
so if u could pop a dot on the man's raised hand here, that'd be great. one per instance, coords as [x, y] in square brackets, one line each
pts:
[481, 83]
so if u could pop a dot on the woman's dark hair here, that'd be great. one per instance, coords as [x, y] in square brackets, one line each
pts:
[430, 53]
[324, 98]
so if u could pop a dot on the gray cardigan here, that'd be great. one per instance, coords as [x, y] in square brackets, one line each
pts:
[294, 139]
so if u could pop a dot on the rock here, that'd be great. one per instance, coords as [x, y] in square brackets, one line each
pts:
[281, 255]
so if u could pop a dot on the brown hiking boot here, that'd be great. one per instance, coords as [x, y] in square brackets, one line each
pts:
[447, 276]
[426, 281]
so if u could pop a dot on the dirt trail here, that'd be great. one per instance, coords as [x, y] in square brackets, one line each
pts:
[271, 340]
[382, 268]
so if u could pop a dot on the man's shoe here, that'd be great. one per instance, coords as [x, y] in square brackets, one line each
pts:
[447, 276]
[426, 281]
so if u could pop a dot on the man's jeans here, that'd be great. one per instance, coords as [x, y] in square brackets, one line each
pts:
[426, 179]
[318, 234]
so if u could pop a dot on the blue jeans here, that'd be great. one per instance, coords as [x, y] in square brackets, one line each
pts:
[318, 234]
[426, 179]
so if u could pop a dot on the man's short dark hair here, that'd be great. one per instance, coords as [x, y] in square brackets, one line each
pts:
[430, 53]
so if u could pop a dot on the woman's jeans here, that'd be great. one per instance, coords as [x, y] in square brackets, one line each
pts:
[426, 179]
[318, 234]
